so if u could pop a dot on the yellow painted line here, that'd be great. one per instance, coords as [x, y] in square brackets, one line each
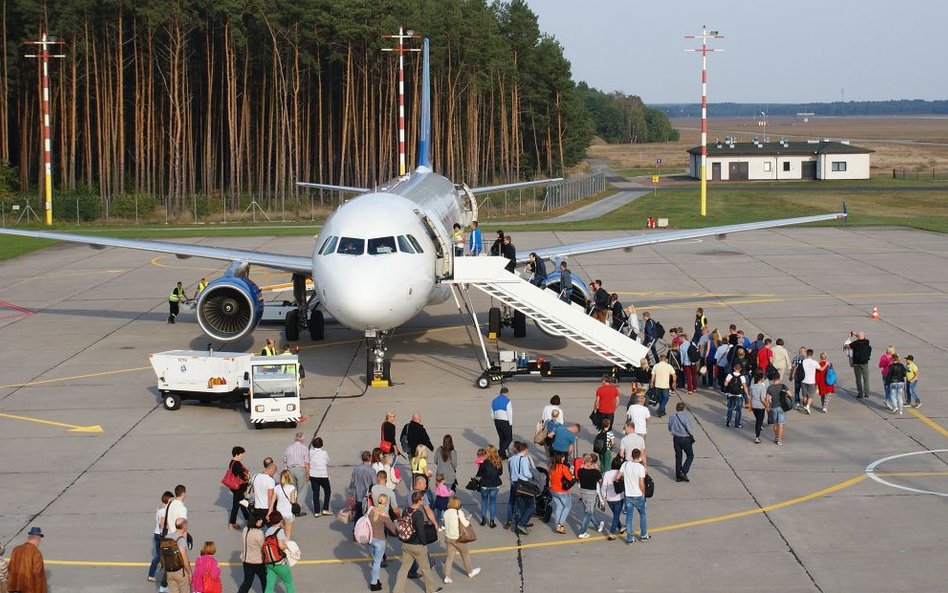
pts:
[156, 262]
[561, 542]
[74, 378]
[931, 423]
[71, 427]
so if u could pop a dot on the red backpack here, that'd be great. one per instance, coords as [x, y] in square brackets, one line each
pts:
[271, 548]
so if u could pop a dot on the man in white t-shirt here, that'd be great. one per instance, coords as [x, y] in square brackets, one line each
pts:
[639, 415]
[633, 474]
[630, 442]
[662, 377]
[263, 485]
[809, 379]
[176, 509]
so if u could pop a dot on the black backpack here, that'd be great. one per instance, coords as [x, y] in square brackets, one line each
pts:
[735, 385]
[659, 330]
[799, 373]
[403, 442]
[599, 443]
[786, 402]
[693, 354]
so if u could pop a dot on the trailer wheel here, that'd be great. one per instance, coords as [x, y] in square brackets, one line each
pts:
[292, 326]
[317, 325]
[519, 324]
[172, 401]
[483, 382]
[494, 321]
[258, 425]
[246, 403]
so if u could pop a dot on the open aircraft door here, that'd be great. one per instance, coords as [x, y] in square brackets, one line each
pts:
[469, 203]
[444, 256]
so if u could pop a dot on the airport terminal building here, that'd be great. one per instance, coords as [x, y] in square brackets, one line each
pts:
[783, 160]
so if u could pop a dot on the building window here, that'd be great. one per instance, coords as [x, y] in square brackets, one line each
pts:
[766, 167]
[839, 165]
[786, 166]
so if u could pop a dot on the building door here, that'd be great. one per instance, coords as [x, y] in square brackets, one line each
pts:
[715, 171]
[737, 171]
[808, 170]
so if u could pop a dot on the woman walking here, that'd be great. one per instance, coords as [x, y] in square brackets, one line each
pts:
[758, 393]
[156, 538]
[241, 473]
[896, 376]
[384, 464]
[561, 480]
[590, 478]
[884, 361]
[489, 474]
[278, 570]
[251, 554]
[454, 518]
[319, 476]
[380, 521]
[615, 500]
[285, 499]
[206, 575]
[446, 462]
[388, 443]
[822, 385]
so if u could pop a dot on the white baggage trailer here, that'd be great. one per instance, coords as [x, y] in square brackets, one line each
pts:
[267, 386]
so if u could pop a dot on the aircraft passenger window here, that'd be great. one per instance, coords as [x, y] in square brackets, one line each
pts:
[416, 244]
[351, 246]
[404, 246]
[329, 246]
[381, 245]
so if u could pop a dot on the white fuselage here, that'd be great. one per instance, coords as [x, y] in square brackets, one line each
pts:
[375, 263]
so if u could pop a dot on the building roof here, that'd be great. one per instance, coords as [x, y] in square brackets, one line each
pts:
[812, 147]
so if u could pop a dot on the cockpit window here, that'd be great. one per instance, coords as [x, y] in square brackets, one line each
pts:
[381, 245]
[416, 244]
[351, 246]
[329, 246]
[404, 245]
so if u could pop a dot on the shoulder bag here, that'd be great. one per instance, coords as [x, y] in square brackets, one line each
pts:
[230, 481]
[691, 437]
[295, 507]
[466, 533]
[619, 484]
[526, 487]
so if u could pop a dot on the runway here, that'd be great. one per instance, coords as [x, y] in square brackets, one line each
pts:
[79, 324]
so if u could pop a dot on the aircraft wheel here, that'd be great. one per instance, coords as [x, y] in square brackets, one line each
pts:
[317, 325]
[292, 326]
[172, 401]
[483, 382]
[519, 324]
[494, 321]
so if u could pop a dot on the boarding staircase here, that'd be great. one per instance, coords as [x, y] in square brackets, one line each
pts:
[544, 306]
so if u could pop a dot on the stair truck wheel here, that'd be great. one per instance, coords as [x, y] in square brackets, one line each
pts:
[519, 324]
[483, 382]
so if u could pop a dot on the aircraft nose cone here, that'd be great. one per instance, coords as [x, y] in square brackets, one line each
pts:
[386, 300]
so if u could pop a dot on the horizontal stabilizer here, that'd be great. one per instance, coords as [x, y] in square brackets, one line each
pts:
[506, 186]
[331, 187]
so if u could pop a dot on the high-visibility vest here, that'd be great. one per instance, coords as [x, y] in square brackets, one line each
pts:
[201, 286]
[268, 351]
[176, 295]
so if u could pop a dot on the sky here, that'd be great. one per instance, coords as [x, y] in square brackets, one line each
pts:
[774, 52]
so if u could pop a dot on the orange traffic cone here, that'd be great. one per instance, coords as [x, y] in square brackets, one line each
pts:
[875, 313]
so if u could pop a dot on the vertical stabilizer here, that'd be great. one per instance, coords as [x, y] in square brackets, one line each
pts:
[424, 141]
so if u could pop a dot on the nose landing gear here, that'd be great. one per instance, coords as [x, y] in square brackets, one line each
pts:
[378, 372]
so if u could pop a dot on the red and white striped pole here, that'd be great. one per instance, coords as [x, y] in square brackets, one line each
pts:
[402, 36]
[44, 56]
[704, 109]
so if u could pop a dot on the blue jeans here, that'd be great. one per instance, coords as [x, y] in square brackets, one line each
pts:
[154, 556]
[662, 399]
[489, 503]
[589, 512]
[896, 395]
[526, 506]
[912, 393]
[562, 504]
[635, 503]
[735, 404]
[616, 507]
[378, 550]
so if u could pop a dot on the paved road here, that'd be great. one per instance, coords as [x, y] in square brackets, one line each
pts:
[802, 517]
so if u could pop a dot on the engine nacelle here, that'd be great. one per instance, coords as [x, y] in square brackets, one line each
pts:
[580, 296]
[229, 308]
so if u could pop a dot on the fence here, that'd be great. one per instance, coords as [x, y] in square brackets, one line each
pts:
[540, 199]
[921, 174]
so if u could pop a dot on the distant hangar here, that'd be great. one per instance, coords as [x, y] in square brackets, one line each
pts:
[783, 160]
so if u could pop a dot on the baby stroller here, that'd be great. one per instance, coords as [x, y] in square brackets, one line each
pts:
[544, 499]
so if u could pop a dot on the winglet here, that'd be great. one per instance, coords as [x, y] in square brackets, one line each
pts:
[424, 140]
[845, 213]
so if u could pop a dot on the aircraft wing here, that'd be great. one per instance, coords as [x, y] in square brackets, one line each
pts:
[666, 237]
[288, 263]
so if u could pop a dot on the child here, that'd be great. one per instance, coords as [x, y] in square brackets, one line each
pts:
[479, 459]
[442, 495]
[206, 576]
[610, 442]
[911, 379]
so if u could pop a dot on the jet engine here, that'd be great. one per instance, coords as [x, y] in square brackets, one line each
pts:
[229, 308]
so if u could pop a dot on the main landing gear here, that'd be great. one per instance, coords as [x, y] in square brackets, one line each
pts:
[306, 316]
[505, 317]
[378, 369]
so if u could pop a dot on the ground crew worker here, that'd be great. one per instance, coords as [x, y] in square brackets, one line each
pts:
[201, 286]
[269, 349]
[177, 295]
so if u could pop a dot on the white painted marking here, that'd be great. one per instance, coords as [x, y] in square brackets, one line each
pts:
[871, 471]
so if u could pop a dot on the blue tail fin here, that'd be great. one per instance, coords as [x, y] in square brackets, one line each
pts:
[424, 141]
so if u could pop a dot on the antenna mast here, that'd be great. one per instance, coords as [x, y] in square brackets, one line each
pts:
[45, 43]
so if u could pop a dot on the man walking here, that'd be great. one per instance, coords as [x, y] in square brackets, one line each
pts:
[607, 399]
[662, 376]
[736, 388]
[797, 376]
[177, 295]
[809, 379]
[861, 351]
[360, 486]
[508, 250]
[682, 439]
[475, 240]
[701, 323]
[179, 579]
[263, 487]
[501, 410]
[414, 434]
[633, 473]
[566, 283]
[296, 459]
[525, 504]
[27, 571]
[538, 269]
[600, 301]
[630, 442]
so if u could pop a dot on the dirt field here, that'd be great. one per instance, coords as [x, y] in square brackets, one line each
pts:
[900, 142]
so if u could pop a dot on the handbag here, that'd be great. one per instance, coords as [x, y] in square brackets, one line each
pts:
[430, 534]
[466, 533]
[385, 446]
[230, 481]
[619, 484]
[528, 487]
[596, 419]
[474, 484]
[649, 486]
[540, 437]
[295, 507]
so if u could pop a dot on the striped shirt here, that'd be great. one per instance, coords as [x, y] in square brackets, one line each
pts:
[296, 455]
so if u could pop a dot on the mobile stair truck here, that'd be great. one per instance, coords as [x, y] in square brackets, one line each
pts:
[267, 386]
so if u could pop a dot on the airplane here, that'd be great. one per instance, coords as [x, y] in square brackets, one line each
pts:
[379, 259]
